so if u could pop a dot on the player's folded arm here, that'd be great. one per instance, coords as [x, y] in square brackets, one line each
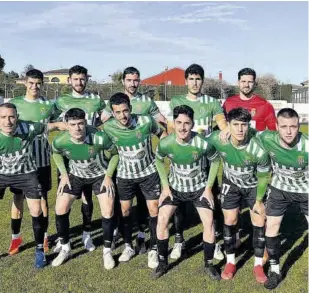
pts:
[160, 155]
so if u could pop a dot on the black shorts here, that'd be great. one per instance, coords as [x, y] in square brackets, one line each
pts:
[27, 184]
[148, 185]
[86, 185]
[45, 181]
[278, 201]
[232, 195]
[194, 197]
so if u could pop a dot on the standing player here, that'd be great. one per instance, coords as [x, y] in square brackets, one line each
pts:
[206, 110]
[83, 146]
[141, 105]
[187, 182]
[288, 149]
[262, 112]
[18, 168]
[93, 106]
[34, 108]
[136, 170]
[246, 166]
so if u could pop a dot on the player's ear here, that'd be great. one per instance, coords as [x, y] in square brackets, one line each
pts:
[69, 80]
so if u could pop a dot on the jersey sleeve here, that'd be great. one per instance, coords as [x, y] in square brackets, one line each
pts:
[216, 108]
[155, 127]
[56, 146]
[263, 161]
[211, 151]
[37, 128]
[160, 152]
[56, 116]
[103, 140]
[271, 119]
[153, 109]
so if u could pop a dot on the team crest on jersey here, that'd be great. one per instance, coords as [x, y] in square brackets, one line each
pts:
[43, 111]
[138, 134]
[91, 151]
[300, 160]
[247, 160]
[195, 155]
[67, 153]
[170, 156]
[253, 112]
[223, 154]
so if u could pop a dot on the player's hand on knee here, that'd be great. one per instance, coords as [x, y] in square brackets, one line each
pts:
[108, 186]
[166, 192]
[63, 182]
[207, 194]
[259, 208]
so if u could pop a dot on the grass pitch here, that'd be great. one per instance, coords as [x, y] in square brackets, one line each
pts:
[85, 271]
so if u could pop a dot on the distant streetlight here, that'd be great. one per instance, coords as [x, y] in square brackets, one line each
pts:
[165, 70]
[111, 83]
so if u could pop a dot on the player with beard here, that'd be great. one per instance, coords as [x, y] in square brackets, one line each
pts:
[132, 135]
[34, 108]
[93, 106]
[206, 110]
[288, 149]
[187, 181]
[142, 105]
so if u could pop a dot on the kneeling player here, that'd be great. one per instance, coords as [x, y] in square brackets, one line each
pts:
[186, 151]
[18, 168]
[288, 149]
[84, 146]
[246, 167]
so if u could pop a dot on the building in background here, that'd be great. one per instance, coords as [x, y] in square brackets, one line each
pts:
[174, 76]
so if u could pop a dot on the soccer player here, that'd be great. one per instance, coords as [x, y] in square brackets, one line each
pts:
[262, 112]
[34, 108]
[18, 168]
[187, 182]
[83, 146]
[142, 105]
[93, 106]
[206, 110]
[245, 171]
[136, 170]
[288, 149]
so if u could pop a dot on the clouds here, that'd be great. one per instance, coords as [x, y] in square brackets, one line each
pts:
[112, 25]
[210, 12]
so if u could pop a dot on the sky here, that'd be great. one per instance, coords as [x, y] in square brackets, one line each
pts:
[270, 37]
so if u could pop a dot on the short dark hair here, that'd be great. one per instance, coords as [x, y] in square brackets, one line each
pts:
[118, 99]
[8, 106]
[35, 73]
[239, 114]
[195, 69]
[74, 114]
[287, 113]
[183, 109]
[130, 70]
[77, 69]
[246, 71]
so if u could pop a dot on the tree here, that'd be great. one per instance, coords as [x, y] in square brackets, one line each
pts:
[269, 85]
[212, 87]
[12, 74]
[116, 77]
[2, 63]
[26, 69]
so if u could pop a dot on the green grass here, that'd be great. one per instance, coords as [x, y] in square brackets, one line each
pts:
[85, 272]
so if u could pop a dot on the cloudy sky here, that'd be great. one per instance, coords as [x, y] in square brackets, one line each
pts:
[271, 37]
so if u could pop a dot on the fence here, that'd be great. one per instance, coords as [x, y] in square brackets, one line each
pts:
[158, 93]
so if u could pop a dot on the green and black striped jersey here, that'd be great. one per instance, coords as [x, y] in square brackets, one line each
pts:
[86, 160]
[39, 110]
[290, 166]
[16, 151]
[240, 164]
[136, 158]
[92, 104]
[186, 169]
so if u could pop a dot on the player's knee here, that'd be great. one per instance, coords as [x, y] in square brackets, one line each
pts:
[35, 209]
[163, 220]
[230, 220]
